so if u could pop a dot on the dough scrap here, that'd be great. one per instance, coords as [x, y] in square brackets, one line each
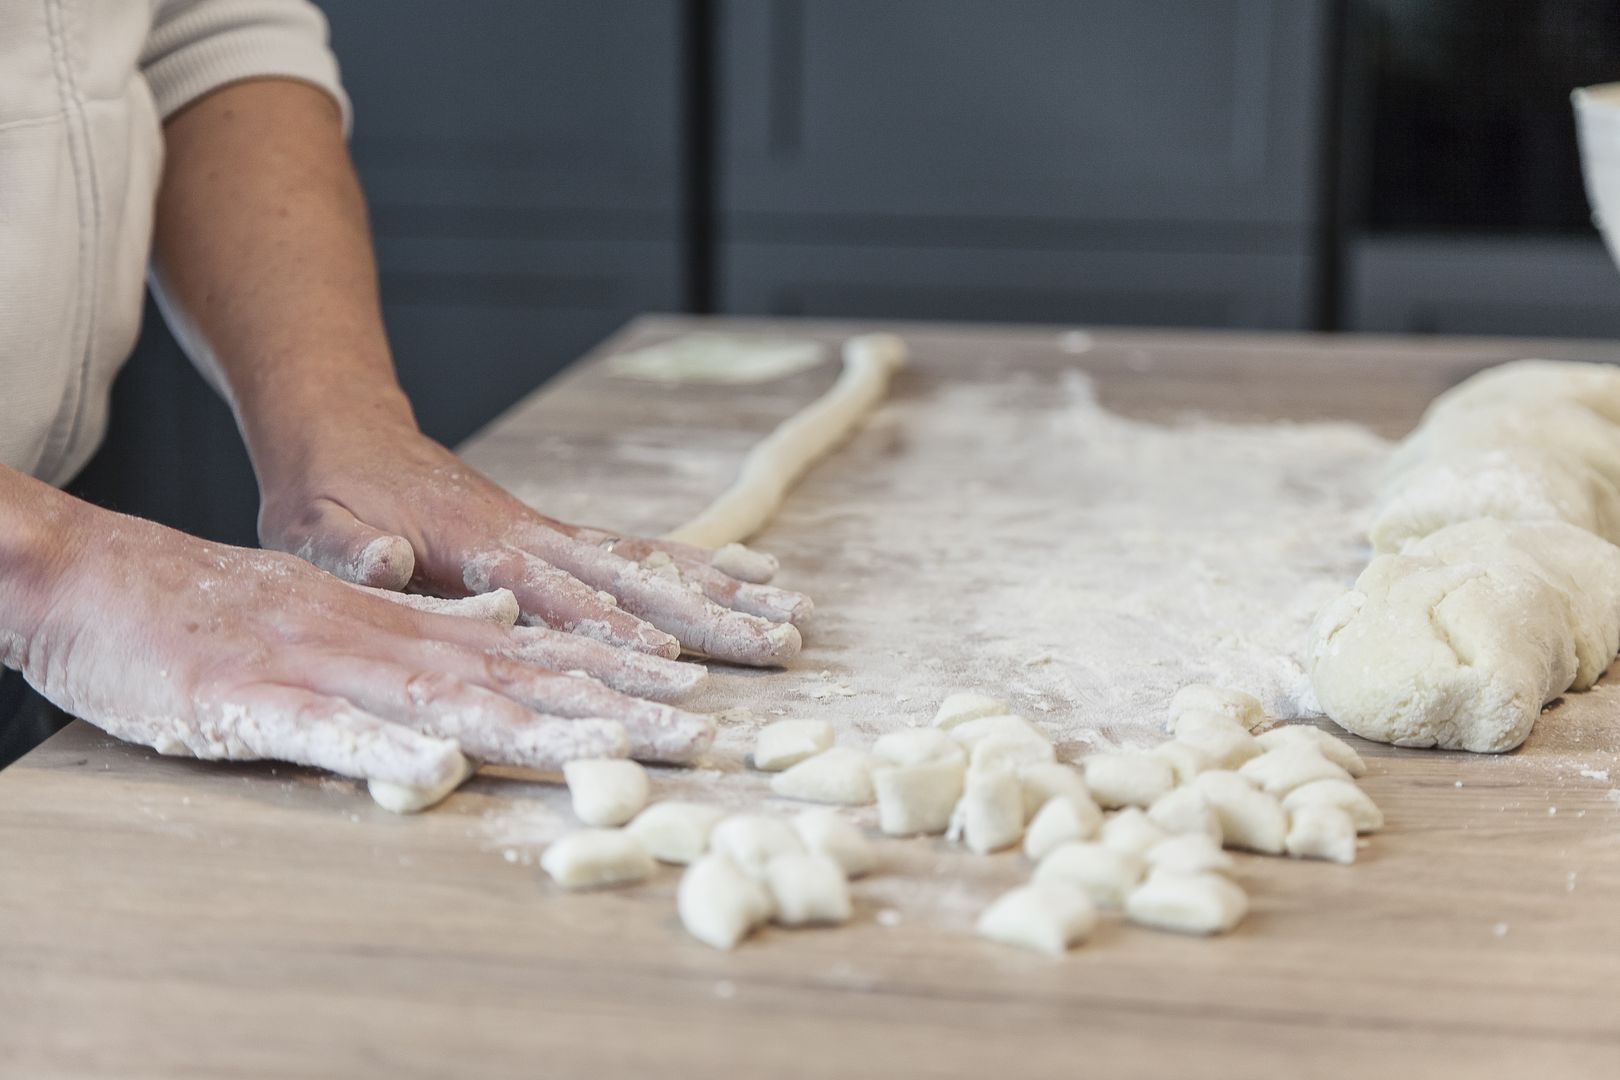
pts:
[1051, 918]
[1329, 746]
[1235, 705]
[787, 742]
[918, 799]
[1250, 819]
[1341, 794]
[719, 904]
[1131, 831]
[1013, 751]
[808, 890]
[1190, 853]
[1187, 903]
[777, 462]
[606, 791]
[1047, 780]
[825, 831]
[1127, 779]
[1060, 821]
[751, 841]
[842, 775]
[1185, 760]
[1104, 874]
[1322, 832]
[990, 815]
[1279, 771]
[1186, 810]
[961, 707]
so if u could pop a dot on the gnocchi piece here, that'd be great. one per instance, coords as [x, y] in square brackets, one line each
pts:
[1244, 708]
[1189, 853]
[1277, 772]
[751, 841]
[1050, 918]
[1329, 746]
[1341, 793]
[605, 791]
[1185, 760]
[972, 732]
[1058, 822]
[1014, 751]
[403, 799]
[1187, 903]
[1198, 720]
[1105, 875]
[917, 799]
[915, 746]
[719, 904]
[1226, 744]
[1127, 779]
[1186, 811]
[787, 742]
[1131, 831]
[824, 831]
[841, 775]
[675, 832]
[990, 815]
[1322, 832]
[1250, 819]
[1048, 779]
[961, 707]
[808, 890]
[597, 858]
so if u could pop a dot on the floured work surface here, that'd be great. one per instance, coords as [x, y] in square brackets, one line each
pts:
[992, 528]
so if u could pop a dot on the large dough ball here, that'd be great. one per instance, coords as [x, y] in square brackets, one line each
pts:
[1520, 382]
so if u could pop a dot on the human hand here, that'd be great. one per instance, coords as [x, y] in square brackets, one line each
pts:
[228, 653]
[389, 506]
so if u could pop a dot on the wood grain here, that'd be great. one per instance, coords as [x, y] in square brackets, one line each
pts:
[168, 918]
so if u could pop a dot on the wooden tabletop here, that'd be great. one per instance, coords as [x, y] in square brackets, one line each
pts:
[168, 918]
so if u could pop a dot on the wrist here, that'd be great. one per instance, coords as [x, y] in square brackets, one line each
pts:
[311, 430]
[41, 533]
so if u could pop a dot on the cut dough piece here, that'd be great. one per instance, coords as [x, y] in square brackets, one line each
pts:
[1279, 771]
[990, 815]
[1189, 853]
[827, 832]
[402, 799]
[1060, 821]
[1187, 903]
[808, 890]
[962, 707]
[675, 832]
[1184, 759]
[1338, 793]
[1013, 751]
[606, 791]
[1105, 875]
[777, 462]
[788, 742]
[1250, 819]
[969, 733]
[1131, 831]
[1322, 832]
[841, 775]
[1224, 742]
[1331, 747]
[1424, 653]
[1186, 811]
[917, 775]
[1049, 918]
[1514, 483]
[596, 858]
[719, 904]
[751, 841]
[1585, 568]
[717, 358]
[498, 606]
[1047, 780]
[1235, 705]
[1127, 779]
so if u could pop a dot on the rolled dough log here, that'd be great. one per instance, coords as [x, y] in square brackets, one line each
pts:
[774, 465]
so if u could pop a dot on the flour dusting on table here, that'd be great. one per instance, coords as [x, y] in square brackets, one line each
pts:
[1016, 537]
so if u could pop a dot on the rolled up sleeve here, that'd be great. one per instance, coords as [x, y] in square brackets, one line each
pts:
[197, 46]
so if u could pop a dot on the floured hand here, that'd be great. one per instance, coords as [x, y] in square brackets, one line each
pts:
[227, 653]
[393, 508]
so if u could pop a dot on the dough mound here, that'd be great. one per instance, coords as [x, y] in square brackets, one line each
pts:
[1533, 382]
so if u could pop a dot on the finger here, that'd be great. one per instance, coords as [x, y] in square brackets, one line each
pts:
[733, 560]
[341, 544]
[656, 732]
[499, 607]
[777, 605]
[701, 625]
[561, 601]
[288, 723]
[488, 725]
[627, 672]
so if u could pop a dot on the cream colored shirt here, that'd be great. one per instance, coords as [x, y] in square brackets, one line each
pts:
[84, 87]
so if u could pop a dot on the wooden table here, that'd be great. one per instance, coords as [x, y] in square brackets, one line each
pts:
[167, 918]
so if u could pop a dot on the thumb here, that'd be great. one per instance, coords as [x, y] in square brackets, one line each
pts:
[333, 539]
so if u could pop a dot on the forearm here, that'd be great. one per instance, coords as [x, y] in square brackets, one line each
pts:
[263, 255]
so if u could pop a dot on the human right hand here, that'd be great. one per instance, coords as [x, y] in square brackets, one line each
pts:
[218, 652]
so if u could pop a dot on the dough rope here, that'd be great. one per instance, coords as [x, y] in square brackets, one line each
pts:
[777, 462]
